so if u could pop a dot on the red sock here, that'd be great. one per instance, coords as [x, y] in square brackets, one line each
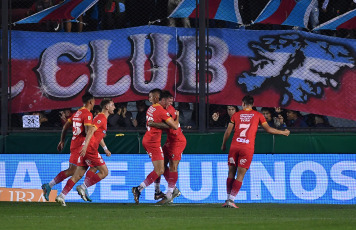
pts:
[236, 187]
[173, 177]
[150, 178]
[91, 179]
[68, 187]
[229, 182]
[60, 177]
[166, 174]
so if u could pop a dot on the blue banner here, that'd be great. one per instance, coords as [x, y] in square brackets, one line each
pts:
[282, 178]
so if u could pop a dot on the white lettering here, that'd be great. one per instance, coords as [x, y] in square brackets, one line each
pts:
[296, 180]
[276, 187]
[336, 174]
[27, 168]
[2, 174]
[206, 181]
[100, 66]
[49, 67]
[106, 186]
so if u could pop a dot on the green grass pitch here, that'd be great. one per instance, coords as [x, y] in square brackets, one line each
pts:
[40, 216]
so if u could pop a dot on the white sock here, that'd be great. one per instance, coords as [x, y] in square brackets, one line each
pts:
[62, 195]
[231, 197]
[228, 196]
[83, 186]
[141, 186]
[52, 183]
[157, 187]
[169, 193]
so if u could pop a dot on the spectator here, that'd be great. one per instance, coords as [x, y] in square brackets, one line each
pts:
[64, 115]
[122, 118]
[295, 119]
[268, 114]
[279, 121]
[140, 120]
[44, 123]
[218, 116]
[231, 110]
[113, 15]
[185, 115]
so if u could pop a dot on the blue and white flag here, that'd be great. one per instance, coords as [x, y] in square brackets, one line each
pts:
[226, 10]
[287, 12]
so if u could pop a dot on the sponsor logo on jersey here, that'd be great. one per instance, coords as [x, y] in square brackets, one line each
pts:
[243, 161]
[243, 140]
[246, 117]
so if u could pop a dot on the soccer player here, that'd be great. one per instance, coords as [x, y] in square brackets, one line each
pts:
[172, 150]
[242, 146]
[80, 122]
[152, 140]
[89, 156]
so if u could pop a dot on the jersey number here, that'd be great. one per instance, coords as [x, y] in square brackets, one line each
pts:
[77, 128]
[245, 127]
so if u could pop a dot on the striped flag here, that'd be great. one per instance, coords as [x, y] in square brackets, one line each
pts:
[69, 9]
[226, 10]
[287, 12]
[345, 21]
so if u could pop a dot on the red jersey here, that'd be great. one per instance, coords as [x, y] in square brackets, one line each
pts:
[100, 122]
[171, 133]
[246, 124]
[155, 113]
[80, 118]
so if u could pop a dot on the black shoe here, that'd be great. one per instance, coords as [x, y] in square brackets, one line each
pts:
[136, 193]
[159, 195]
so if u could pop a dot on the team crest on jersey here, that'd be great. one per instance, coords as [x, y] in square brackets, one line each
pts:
[168, 114]
[99, 121]
[89, 118]
[243, 161]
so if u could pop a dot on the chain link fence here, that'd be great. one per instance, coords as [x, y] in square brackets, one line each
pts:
[122, 49]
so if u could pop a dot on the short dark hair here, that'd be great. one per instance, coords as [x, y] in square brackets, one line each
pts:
[104, 102]
[87, 97]
[248, 100]
[156, 90]
[267, 109]
[166, 94]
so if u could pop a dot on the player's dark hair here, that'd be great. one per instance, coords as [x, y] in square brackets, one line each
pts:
[248, 100]
[105, 102]
[166, 94]
[87, 97]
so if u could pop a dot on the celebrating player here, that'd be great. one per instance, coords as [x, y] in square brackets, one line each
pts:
[172, 150]
[89, 156]
[80, 122]
[242, 146]
[152, 140]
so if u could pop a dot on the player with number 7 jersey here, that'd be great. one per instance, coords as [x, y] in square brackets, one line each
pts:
[245, 124]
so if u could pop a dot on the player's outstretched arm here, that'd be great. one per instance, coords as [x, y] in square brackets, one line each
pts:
[271, 130]
[227, 135]
[65, 128]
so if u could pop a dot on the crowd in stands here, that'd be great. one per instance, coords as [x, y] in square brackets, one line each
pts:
[116, 14]
[132, 116]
